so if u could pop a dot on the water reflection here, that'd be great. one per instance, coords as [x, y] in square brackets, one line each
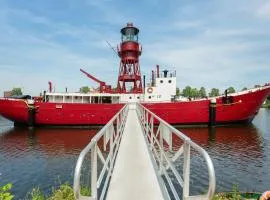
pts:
[37, 157]
[239, 154]
[40, 157]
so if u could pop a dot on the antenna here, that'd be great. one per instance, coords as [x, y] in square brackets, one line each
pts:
[112, 47]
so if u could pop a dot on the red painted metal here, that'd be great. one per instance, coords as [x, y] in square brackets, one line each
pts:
[103, 87]
[242, 110]
[157, 71]
[129, 52]
[50, 86]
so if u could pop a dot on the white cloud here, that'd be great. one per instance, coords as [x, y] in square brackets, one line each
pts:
[224, 47]
[31, 59]
[264, 11]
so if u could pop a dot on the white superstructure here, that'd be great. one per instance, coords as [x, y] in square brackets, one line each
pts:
[161, 89]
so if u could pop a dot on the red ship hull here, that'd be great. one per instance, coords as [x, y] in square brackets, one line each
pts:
[242, 110]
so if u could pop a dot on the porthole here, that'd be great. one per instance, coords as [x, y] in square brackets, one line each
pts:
[149, 97]
[130, 97]
[138, 97]
[170, 81]
[161, 81]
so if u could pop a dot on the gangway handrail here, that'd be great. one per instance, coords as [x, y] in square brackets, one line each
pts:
[111, 136]
[156, 140]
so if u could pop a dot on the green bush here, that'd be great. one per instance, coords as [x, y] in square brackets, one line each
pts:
[65, 192]
[4, 192]
[36, 194]
[85, 191]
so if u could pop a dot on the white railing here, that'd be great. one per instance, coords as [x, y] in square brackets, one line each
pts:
[160, 141]
[101, 153]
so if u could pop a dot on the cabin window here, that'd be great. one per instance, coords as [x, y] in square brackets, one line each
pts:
[106, 99]
[149, 97]
[130, 97]
[161, 81]
[138, 97]
[170, 81]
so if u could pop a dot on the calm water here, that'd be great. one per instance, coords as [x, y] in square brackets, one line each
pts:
[45, 157]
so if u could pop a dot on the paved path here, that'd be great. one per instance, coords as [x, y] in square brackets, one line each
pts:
[134, 175]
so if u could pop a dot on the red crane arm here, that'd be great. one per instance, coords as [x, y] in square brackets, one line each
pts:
[92, 77]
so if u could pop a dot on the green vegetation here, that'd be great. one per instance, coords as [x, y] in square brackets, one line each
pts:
[230, 90]
[267, 103]
[64, 192]
[202, 92]
[4, 192]
[178, 93]
[194, 92]
[214, 92]
[236, 195]
[84, 89]
[245, 88]
[36, 194]
[85, 191]
[16, 91]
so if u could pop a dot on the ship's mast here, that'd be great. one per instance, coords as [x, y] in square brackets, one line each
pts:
[129, 52]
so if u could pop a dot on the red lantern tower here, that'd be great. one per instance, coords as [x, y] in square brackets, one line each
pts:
[129, 52]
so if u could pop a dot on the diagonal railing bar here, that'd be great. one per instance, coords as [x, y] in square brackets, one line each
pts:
[160, 143]
[110, 135]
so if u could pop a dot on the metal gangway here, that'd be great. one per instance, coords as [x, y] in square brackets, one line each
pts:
[136, 155]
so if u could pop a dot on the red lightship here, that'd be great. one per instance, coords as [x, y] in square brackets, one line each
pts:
[97, 107]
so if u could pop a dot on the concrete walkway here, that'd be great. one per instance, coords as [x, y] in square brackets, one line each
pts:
[133, 175]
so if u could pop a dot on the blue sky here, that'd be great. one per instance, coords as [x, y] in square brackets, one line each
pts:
[210, 43]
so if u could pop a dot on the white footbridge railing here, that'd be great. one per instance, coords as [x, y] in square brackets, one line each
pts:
[160, 136]
[96, 162]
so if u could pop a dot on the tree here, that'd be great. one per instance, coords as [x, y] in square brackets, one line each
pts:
[257, 86]
[245, 88]
[177, 92]
[202, 92]
[194, 93]
[214, 92]
[230, 90]
[16, 91]
[84, 89]
[187, 91]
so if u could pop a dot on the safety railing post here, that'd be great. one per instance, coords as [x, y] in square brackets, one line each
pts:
[186, 170]
[111, 146]
[147, 124]
[162, 138]
[144, 119]
[161, 151]
[152, 132]
[117, 126]
[94, 171]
